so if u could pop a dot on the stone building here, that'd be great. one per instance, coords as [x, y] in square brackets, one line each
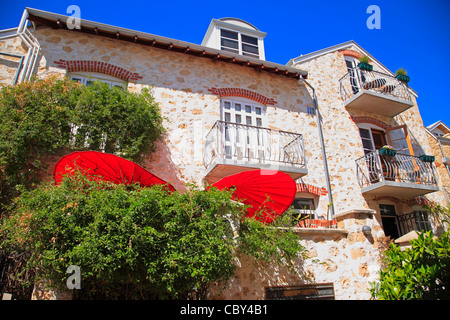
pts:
[320, 118]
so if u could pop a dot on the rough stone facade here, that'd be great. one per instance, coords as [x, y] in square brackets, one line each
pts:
[189, 90]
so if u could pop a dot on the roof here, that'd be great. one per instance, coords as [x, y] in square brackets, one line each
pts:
[341, 46]
[58, 21]
[437, 124]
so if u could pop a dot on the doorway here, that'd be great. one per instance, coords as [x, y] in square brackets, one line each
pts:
[389, 220]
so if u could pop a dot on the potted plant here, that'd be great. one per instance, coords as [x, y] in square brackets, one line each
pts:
[401, 74]
[427, 158]
[387, 151]
[364, 63]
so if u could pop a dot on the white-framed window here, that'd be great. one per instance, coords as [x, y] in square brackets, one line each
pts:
[87, 78]
[242, 138]
[372, 137]
[240, 43]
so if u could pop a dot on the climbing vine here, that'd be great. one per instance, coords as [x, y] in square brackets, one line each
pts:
[53, 116]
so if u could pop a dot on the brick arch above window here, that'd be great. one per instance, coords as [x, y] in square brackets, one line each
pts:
[371, 120]
[351, 53]
[98, 66]
[243, 93]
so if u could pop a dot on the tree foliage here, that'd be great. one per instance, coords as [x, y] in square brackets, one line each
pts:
[419, 272]
[137, 243]
[47, 116]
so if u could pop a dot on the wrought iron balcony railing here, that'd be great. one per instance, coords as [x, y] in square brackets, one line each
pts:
[254, 145]
[403, 168]
[357, 80]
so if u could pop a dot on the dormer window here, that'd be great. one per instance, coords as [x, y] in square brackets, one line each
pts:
[236, 36]
[239, 43]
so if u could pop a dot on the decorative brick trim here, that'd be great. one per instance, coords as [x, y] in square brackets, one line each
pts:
[97, 66]
[244, 93]
[367, 119]
[303, 187]
[351, 53]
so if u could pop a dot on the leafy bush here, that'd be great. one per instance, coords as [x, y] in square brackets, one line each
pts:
[46, 116]
[419, 272]
[133, 243]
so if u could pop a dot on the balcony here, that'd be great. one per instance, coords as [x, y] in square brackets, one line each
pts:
[231, 148]
[401, 175]
[375, 92]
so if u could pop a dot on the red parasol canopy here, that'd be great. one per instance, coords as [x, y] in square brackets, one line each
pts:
[268, 190]
[105, 166]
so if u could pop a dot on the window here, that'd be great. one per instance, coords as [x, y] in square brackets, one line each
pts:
[243, 138]
[303, 208]
[87, 78]
[236, 42]
[372, 139]
[389, 221]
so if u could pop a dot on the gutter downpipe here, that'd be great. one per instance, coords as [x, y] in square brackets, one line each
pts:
[322, 146]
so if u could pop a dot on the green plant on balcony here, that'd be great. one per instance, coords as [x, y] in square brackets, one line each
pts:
[364, 63]
[427, 158]
[387, 150]
[401, 74]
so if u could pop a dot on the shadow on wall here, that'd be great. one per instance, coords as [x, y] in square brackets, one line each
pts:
[160, 164]
[251, 278]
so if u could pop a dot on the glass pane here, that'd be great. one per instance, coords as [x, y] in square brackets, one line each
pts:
[248, 120]
[367, 144]
[237, 107]
[364, 133]
[250, 49]
[258, 110]
[229, 43]
[229, 50]
[227, 117]
[248, 109]
[258, 122]
[250, 40]
[238, 118]
[229, 34]
[227, 105]
[397, 134]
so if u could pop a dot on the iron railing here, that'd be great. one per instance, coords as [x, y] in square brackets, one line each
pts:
[357, 80]
[373, 168]
[416, 220]
[256, 145]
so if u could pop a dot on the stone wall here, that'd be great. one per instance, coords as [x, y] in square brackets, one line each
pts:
[186, 89]
[341, 133]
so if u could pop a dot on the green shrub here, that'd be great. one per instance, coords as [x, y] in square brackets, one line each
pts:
[419, 272]
[133, 243]
[48, 116]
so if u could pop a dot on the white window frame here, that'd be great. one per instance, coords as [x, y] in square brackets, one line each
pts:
[368, 126]
[240, 44]
[85, 78]
[240, 142]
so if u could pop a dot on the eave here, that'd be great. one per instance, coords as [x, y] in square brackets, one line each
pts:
[57, 21]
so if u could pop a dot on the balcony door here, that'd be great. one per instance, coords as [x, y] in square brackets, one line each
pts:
[243, 138]
[398, 137]
[355, 75]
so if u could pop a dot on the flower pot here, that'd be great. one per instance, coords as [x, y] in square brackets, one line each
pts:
[402, 78]
[427, 158]
[365, 66]
[387, 152]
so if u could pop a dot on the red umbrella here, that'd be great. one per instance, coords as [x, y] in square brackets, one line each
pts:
[270, 191]
[105, 166]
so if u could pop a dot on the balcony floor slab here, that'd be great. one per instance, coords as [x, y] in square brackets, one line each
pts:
[398, 189]
[221, 168]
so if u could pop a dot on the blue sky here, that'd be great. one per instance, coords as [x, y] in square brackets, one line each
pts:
[414, 34]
